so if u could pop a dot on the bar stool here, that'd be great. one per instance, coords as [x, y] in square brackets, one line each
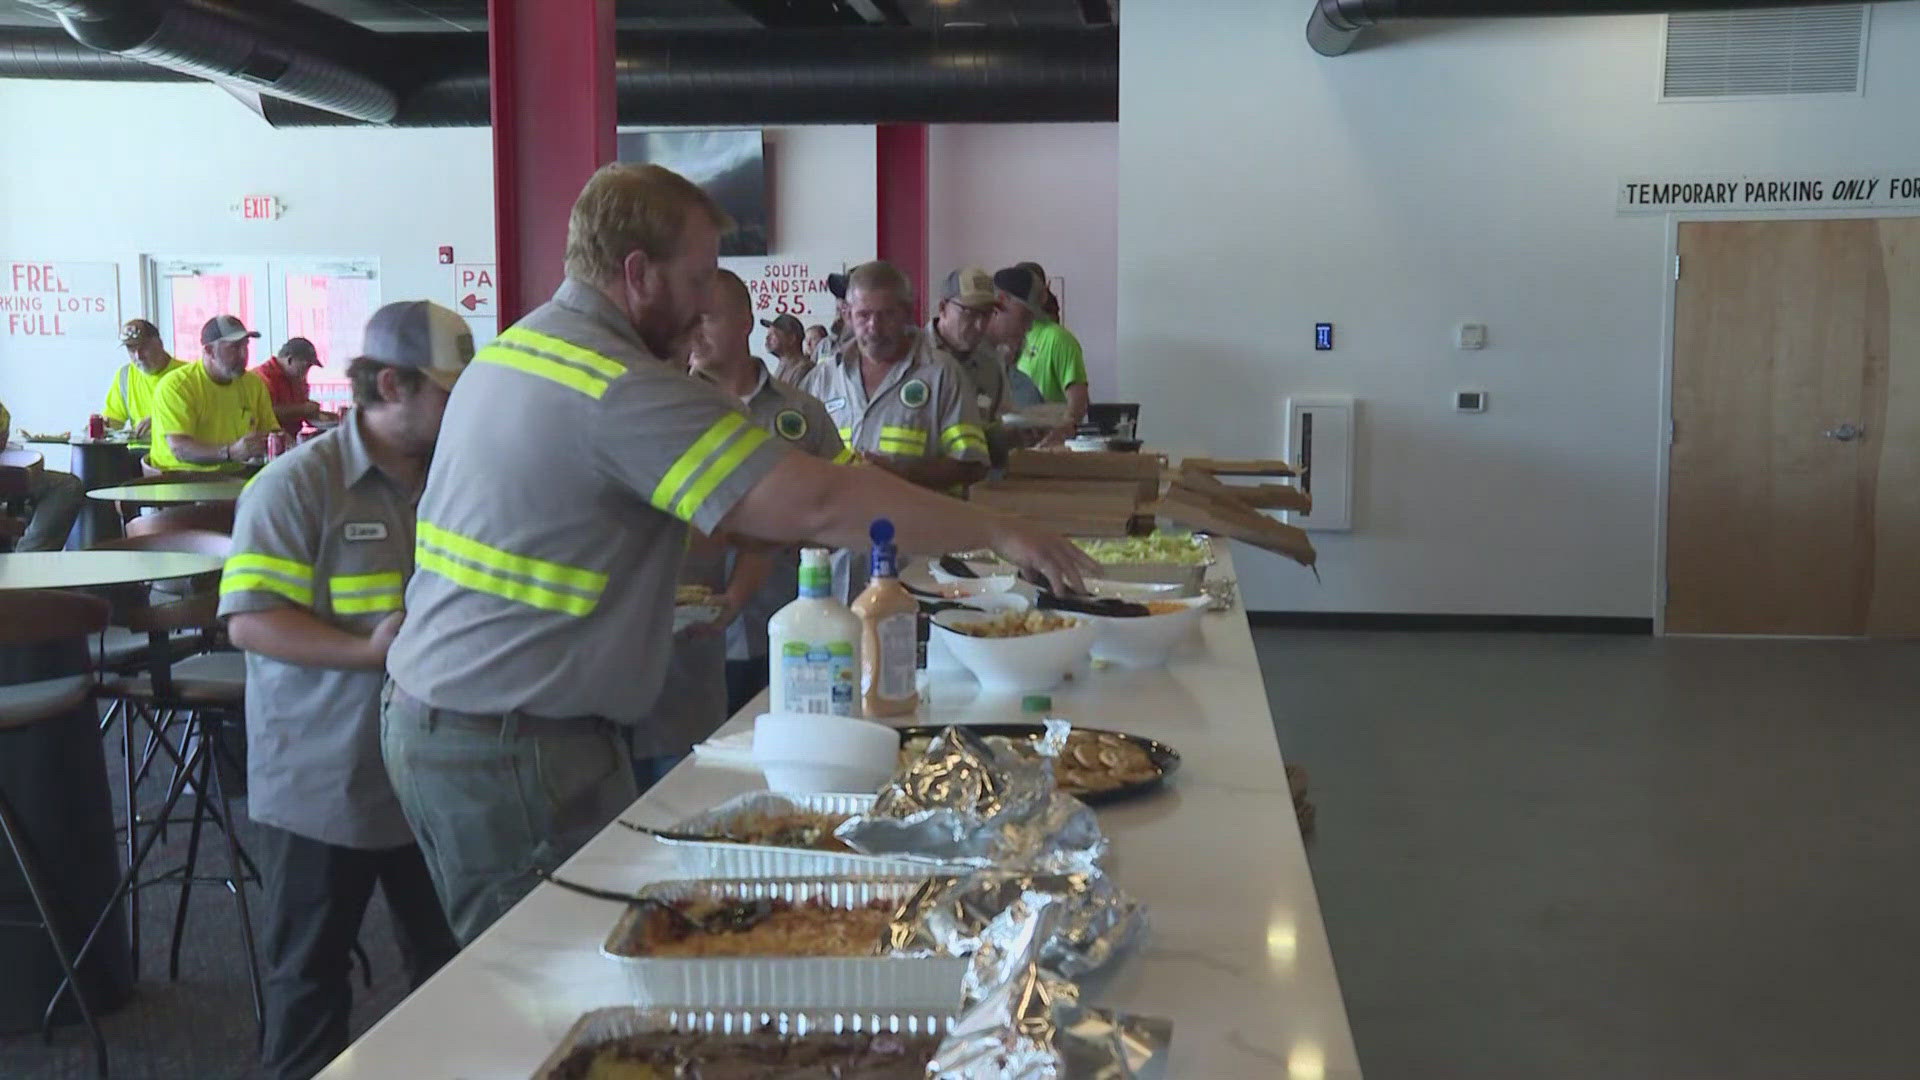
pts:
[182, 685]
[36, 618]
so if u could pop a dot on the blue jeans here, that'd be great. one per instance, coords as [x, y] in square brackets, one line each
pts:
[493, 799]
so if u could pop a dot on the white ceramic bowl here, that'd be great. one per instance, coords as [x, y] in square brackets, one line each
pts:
[1016, 664]
[1149, 640]
[986, 583]
[802, 754]
[941, 658]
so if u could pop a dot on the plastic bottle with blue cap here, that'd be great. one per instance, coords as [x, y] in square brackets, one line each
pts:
[889, 632]
[814, 647]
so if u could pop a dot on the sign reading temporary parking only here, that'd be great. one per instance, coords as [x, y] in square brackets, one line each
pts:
[1805, 191]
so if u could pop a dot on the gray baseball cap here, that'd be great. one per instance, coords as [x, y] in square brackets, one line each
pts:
[423, 335]
[225, 328]
[299, 348]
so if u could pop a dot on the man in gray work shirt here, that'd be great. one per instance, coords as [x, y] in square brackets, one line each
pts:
[322, 548]
[571, 464]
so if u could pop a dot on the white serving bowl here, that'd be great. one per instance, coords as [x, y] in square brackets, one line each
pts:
[1016, 664]
[986, 583]
[802, 754]
[940, 658]
[1146, 641]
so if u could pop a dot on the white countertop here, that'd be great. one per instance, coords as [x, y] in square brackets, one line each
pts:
[1236, 956]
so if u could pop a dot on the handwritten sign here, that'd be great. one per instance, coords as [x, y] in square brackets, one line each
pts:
[1842, 189]
[59, 300]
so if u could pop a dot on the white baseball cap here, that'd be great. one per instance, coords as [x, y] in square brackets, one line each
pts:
[420, 334]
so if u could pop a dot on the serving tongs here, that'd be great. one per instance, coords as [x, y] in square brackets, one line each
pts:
[934, 603]
[729, 917]
[1111, 607]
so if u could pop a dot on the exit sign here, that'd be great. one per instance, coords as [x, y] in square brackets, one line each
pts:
[257, 208]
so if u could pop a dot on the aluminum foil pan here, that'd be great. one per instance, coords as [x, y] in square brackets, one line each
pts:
[1034, 1027]
[965, 801]
[724, 859]
[603, 1026]
[984, 915]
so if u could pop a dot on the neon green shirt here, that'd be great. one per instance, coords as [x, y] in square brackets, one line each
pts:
[130, 394]
[188, 402]
[1052, 359]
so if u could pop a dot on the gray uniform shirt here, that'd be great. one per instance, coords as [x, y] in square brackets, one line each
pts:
[799, 419]
[924, 408]
[324, 530]
[984, 368]
[569, 464]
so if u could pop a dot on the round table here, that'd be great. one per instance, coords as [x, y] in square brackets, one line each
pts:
[90, 569]
[98, 462]
[169, 494]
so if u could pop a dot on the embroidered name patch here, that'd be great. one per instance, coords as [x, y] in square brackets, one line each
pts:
[366, 530]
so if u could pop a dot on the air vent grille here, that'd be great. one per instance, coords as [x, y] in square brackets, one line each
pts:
[1815, 50]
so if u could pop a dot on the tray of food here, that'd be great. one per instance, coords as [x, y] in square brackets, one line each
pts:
[766, 835]
[1097, 766]
[694, 604]
[1181, 559]
[636, 1044]
[767, 943]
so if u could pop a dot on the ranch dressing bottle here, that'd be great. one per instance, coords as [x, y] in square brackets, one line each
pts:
[814, 646]
[889, 633]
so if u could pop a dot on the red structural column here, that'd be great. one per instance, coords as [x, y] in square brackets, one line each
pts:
[551, 63]
[900, 153]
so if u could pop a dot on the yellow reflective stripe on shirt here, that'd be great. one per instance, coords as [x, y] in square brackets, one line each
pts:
[963, 437]
[431, 561]
[273, 564]
[364, 582]
[364, 594]
[693, 478]
[565, 350]
[493, 558]
[520, 578]
[542, 367]
[846, 434]
[902, 440]
[845, 457]
[248, 571]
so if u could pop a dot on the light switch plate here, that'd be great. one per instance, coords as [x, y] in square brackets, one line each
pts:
[1473, 335]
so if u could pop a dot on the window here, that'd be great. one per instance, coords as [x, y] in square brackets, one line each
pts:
[328, 303]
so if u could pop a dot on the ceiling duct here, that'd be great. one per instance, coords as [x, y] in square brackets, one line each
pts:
[272, 47]
[1335, 24]
[851, 75]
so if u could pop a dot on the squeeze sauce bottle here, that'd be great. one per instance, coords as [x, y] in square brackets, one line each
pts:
[889, 632]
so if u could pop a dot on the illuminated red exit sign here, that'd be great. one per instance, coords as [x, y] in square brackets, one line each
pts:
[257, 208]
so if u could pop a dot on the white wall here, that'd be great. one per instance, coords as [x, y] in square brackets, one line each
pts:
[1452, 172]
[1003, 193]
[111, 172]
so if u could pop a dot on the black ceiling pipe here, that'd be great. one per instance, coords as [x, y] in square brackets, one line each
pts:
[1335, 24]
[855, 75]
[275, 47]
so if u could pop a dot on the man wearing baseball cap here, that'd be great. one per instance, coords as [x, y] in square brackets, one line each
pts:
[322, 549]
[841, 335]
[1050, 355]
[214, 415]
[285, 373]
[786, 343]
[130, 394]
[968, 302]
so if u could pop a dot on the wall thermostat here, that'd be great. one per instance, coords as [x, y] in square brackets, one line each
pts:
[1470, 401]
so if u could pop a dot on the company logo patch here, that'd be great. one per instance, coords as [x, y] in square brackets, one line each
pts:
[791, 425]
[914, 394]
[358, 531]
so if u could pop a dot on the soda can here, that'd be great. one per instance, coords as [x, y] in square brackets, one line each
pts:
[276, 444]
[96, 426]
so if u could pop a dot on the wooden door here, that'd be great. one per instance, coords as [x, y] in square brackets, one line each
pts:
[1794, 477]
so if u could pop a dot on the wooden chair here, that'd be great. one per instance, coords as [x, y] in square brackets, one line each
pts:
[30, 618]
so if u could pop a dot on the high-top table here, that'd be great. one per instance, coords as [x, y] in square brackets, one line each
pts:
[172, 493]
[1236, 956]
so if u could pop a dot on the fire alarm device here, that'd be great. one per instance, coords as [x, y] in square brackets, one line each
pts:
[446, 254]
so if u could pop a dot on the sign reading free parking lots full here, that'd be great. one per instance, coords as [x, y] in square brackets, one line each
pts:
[53, 300]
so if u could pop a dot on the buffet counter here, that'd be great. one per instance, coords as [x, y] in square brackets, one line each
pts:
[1236, 954]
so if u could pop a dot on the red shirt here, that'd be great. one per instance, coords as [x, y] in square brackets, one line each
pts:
[284, 389]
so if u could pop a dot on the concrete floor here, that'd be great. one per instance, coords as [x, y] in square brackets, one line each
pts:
[1566, 856]
[1540, 858]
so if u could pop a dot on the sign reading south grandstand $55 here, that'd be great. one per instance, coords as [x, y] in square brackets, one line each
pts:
[1806, 191]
